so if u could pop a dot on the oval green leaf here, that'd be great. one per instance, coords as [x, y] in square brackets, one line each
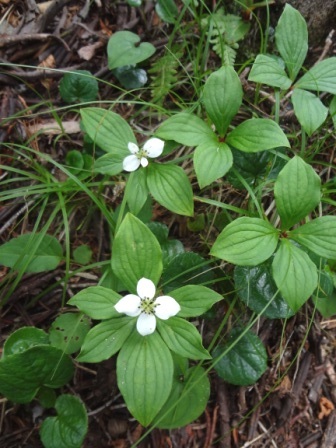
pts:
[136, 253]
[31, 252]
[318, 235]
[309, 110]
[295, 274]
[222, 97]
[170, 187]
[182, 338]
[97, 302]
[22, 374]
[246, 242]
[257, 134]
[23, 339]
[187, 401]
[145, 373]
[108, 130]
[211, 161]
[68, 331]
[195, 299]
[106, 339]
[186, 129]
[242, 362]
[256, 288]
[267, 70]
[79, 85]
[69, 428]
[291, 37]
[321, 77]
[297, 191]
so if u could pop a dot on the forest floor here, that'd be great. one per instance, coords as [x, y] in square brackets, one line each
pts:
[296, 412]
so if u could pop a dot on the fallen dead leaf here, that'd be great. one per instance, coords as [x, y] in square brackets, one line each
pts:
[89, 51]
[326, 407]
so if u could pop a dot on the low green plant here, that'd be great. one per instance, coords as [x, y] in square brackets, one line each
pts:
[144, 307]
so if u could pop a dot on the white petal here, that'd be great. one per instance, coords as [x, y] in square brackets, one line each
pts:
[166, 307]
[131, 163]
[146, 324]
[129, 305]
[154, 147]
[144, 162]
[146, 288]
[133, 148]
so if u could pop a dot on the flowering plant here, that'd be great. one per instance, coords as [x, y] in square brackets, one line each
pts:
[144, 353]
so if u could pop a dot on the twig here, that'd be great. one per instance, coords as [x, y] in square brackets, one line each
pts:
[329, 436]
[7, 39]
[328, 44]
[224, 414]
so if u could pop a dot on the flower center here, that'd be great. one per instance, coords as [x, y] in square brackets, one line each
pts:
[141, 153]
[147, 306]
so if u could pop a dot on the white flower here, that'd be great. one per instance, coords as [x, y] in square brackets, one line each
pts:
[146, 307]
[152, 148]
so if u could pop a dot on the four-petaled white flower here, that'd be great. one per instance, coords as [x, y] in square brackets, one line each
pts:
[146, 307]
[152, 148]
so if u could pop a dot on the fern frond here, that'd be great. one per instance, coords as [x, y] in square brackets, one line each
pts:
[164, 75]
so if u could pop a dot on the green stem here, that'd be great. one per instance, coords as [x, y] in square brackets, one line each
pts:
[303, 142]
[124, 202]
[277, 106]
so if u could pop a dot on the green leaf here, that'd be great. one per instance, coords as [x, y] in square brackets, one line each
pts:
[108, 130]
[222, 97]
[170, 247]
[47, 397]
[186, 129]
[130, 77]
[297, 192]
[106, 339]
[182, 338]
[309, 110]
[136, 253]
[68, 331]
[321, 77]
[211, 161]
[256, 288]
[325, 297]
[188, 399]
[23, 339]
[195, 300]
[97, 302]
[167, 10]
[22, 374]
[246, 242]
[76, 87]
[318, 236]
[111, 163]
[291, 37]
[145, 373]
[267, 70]
[69, 428]
[295, 274]
[170, 187]
[31, 253]
[136, 191]
[257, 134]
[242, 362]
[82, 254]
[124, 48]
[186, 268]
